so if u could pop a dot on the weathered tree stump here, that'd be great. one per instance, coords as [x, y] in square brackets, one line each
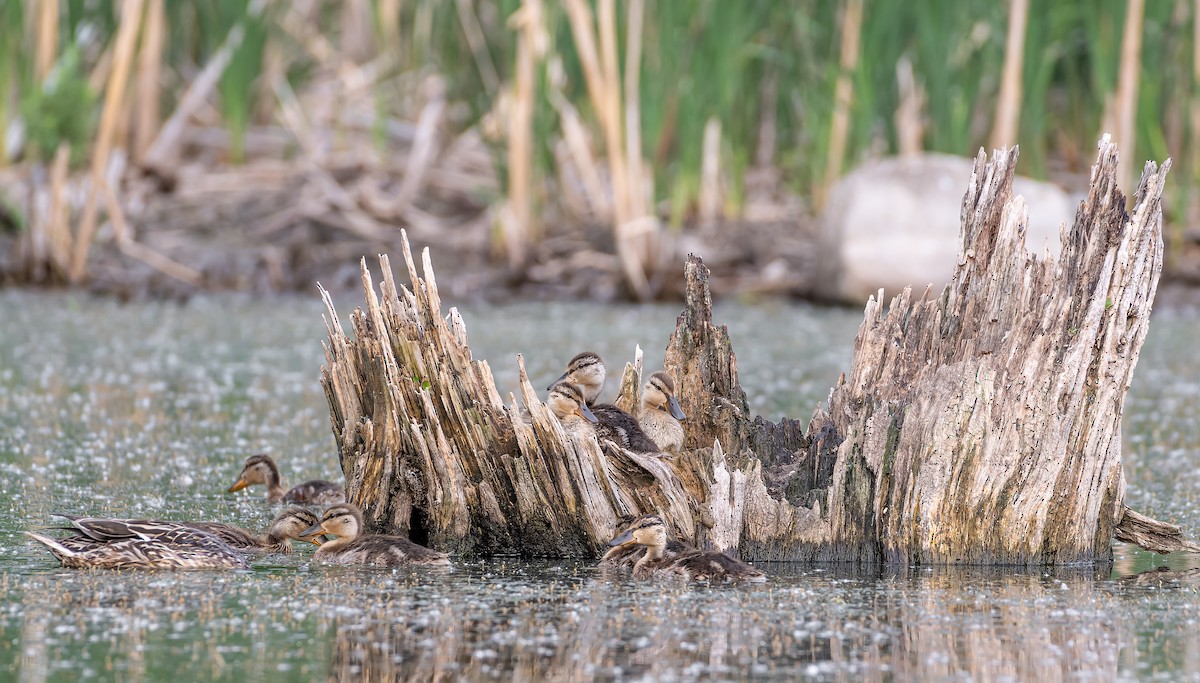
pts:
[982, 425]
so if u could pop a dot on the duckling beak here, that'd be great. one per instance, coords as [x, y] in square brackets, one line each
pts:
[315, 540]
[624, 538]
[676, 411]
[587, 413]
[241, 484]
[315, 531]
[560, 378]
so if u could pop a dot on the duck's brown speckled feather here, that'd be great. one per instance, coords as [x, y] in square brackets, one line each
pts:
[316, 492]
[380, 550]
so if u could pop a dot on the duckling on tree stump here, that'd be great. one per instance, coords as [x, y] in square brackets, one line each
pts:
[976, 425]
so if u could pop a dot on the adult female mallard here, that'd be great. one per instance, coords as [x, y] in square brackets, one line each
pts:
[660, 414]
[587, 371]
[625, 556]
[287, 525]
[261, 469]
[694, 565]
[101, 543]
[350, 547]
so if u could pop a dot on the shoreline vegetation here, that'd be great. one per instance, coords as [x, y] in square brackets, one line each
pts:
[542, 150]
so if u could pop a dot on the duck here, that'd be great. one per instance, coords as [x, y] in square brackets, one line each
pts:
[567, 403]
[104, 543]
[660, 413]
[625, 556]
[351, 547]
[586, 370]
[287, 525]
[261, 469]
[692, 565]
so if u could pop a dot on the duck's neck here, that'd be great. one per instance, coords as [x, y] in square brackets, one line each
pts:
[653, 554]
[337, 542]
[275, 490]
[270, 539]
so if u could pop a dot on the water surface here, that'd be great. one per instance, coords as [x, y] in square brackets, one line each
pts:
[149, 410]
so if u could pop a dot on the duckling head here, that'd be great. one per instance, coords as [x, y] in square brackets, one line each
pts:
[648, 530]
[586, 370]
[293, 522]
[259, 469]
[344, 521]
[566, 400]
[659, 394]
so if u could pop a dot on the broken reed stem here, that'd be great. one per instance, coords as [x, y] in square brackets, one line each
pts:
[145, 126]
[518, 225]
[131, 16]
[1008, 106]
[843, 97]
[132, 248]
[47, 40]
[633, 128]
[1127, 87]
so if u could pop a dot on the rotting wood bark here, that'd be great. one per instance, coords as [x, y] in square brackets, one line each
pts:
[979, 426]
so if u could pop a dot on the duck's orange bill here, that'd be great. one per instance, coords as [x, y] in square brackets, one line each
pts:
[241, 484]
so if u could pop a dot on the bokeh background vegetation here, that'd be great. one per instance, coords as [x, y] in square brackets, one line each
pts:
[663, 89]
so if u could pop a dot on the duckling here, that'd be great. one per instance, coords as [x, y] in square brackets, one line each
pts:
[139, 544]
[698, 565]
[261, 469]
[345, 522]
[627, 555]
[660, 414]
[567, 404]
[587, 371]
[277, 538]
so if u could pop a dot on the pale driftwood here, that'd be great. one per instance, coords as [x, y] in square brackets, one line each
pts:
[980, 426]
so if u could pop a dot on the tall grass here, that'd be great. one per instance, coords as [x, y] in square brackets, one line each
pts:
[702, 65]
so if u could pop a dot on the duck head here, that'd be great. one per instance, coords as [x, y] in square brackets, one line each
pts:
[659, 394]
[566, 400]
[587, 371]
[344, 521]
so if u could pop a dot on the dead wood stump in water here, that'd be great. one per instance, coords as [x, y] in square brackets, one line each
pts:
[982, 425]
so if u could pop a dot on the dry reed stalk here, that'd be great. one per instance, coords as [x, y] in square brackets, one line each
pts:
[1008, 106]
[580, 18]
[47, 39]
[517, 220]
[1195, 109]
[710, 176]
[425, 143]
[1125, 109]
[478, 44]
[57, 223]
[633, 127]
[130, 247]
[910, 115]
[147, 95]
[578, 142]
[357, 38]
[843, 97]
[389, 24]
[161, 156]
[126, 40]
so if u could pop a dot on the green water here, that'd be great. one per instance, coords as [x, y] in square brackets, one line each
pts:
[149, 409]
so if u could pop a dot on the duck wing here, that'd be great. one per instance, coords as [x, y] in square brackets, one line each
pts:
[386, 551]
[619, 426]
[316, 492]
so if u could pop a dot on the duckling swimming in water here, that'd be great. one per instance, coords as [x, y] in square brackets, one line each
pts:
[345, 521]
[102, 543]
[693, 565]
[660, 414]
[277, 538]
[261, 469]
[587, 371]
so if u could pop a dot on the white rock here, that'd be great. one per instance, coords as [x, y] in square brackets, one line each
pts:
[895, 222]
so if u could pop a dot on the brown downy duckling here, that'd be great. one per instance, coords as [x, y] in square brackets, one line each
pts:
[286, 526]
[567, 404]
[103, 543]
[587, 371]
[350, 547]
[660, 414]
[261, 469]
[694, 565]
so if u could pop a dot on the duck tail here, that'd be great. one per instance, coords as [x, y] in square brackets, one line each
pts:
[57, 549]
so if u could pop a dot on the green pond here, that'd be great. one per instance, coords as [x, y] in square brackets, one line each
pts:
[148, 410]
